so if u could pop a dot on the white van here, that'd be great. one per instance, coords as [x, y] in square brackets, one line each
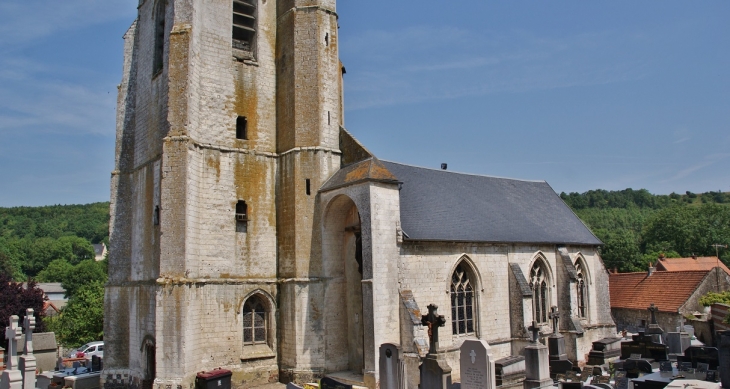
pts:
[89, 349]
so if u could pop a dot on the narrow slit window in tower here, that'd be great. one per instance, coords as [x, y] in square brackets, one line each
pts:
[241, 127]
[307, 185]
[244, 25]
[159, 36]
[241, 211]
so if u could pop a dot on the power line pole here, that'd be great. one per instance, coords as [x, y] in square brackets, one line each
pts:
[717, 258]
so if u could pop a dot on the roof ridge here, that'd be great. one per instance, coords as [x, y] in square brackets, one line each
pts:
[462, 173]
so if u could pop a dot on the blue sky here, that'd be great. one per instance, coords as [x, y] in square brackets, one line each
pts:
[584, 95]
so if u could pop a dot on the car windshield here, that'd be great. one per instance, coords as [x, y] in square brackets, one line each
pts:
[84, 347]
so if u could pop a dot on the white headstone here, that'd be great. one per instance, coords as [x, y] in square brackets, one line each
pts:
[11, 377]
[28, 360]
[477, 365]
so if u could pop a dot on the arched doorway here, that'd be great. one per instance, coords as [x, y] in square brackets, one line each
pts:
[343, 267]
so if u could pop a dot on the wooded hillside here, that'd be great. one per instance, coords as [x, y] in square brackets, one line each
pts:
[636, 226]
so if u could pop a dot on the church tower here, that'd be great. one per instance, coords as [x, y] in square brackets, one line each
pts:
[228, 122]
[309, 116]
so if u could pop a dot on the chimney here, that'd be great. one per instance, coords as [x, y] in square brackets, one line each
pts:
[694, 256]
[444, 166]
[652, 269]
[661, 256]
[615, 270]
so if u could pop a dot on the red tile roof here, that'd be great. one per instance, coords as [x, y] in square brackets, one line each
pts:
[683, 264]
[668, 290]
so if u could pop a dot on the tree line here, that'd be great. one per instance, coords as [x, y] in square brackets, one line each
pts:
[54, 244]
[636, 226]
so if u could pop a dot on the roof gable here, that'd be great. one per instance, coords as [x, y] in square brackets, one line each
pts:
[639, 290]
[684, 264]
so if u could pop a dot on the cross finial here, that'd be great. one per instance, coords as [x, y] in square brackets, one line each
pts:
[433, 321]
[535, 330]
[554, 316]
[653, 309]
[29, 324]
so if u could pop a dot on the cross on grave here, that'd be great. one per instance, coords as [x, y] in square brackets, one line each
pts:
[554, 316]
[653, 309]
[473, 356]
[681, 323]
[433, 321]
[535, 330]
[29, 324]
[12, 334]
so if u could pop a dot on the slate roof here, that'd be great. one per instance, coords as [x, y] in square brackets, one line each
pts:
[667, 290]
[683, 264]
[439, 205]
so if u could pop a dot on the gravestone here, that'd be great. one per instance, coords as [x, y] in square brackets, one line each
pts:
[723, 345]
[331, 383]
[559, 362]
[96, 363]
[537, 371]
[389, 366]
[703, 367]
[27, 362]
[665, 366]
[604, 351]
[435, 372]
[477, 365]
[711, 375]
[654, 330]
[645, 346]
[684, 366]
[292, 385]
[11, 377]
[621, 380]
[702, 354]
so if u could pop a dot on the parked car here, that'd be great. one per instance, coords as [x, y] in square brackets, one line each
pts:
[89, 349]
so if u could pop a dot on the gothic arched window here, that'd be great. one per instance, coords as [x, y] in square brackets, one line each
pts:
[581, 288]
[462, 302]
[540, 285]
[159, 36]
[254, 321]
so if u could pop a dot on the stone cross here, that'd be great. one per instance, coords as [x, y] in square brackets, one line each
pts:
[535, 330]
[433, 321]
[554, 316]
[29, 324]
[681, 323]
[12, 334]
[653, 309]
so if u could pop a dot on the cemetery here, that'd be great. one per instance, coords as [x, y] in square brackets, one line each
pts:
[639, 361]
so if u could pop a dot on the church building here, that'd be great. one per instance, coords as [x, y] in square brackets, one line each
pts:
[251, 231]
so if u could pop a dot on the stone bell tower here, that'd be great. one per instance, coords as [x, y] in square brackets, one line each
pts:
[309, 117]
[228, 122]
